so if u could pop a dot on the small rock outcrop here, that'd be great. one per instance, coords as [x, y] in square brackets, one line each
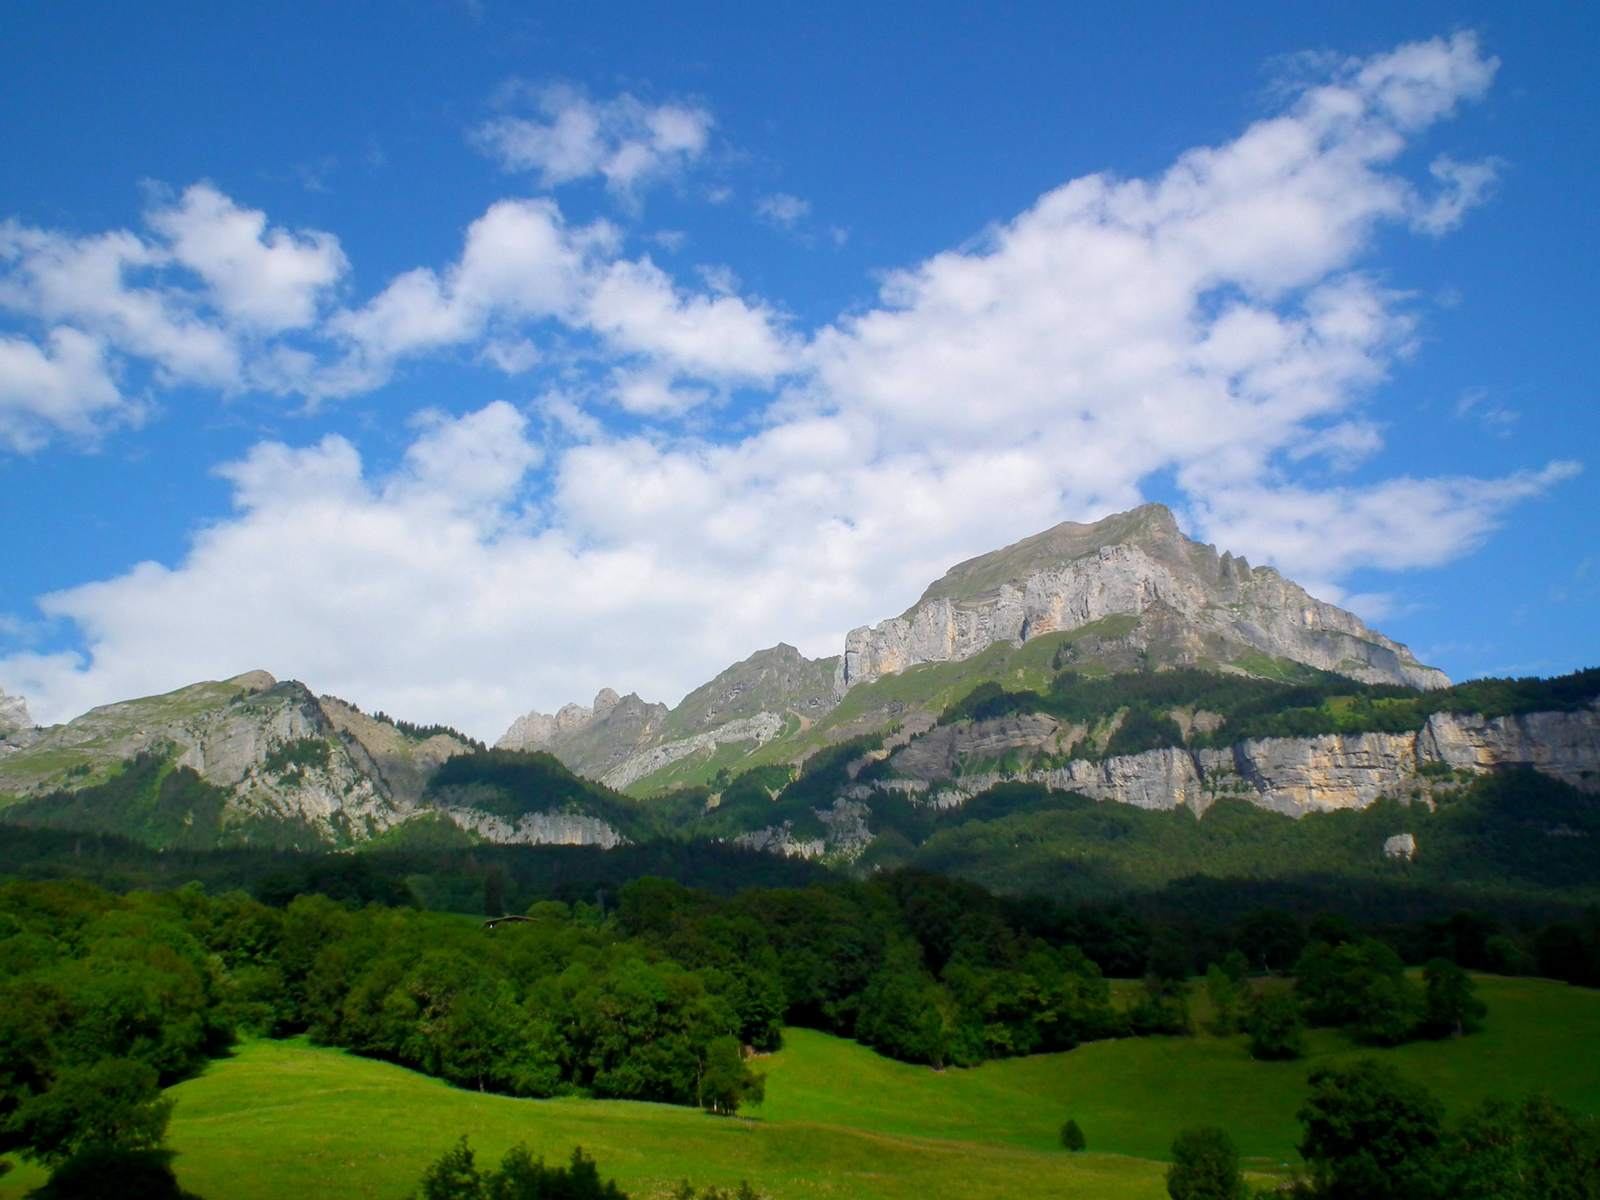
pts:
[1401, 846]
[535, 829]
[16, 726]
[14, 716]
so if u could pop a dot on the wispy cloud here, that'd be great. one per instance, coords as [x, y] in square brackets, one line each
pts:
[623, 140]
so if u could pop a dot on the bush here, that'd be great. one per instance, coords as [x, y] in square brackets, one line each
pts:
[125, 1174]
[1276, 1031]
[1451, 1007]
[455, 1176]
[1370, 1135]
[1072, 1137]
[1205, 1166]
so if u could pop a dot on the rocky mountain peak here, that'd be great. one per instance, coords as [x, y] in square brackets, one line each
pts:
[253, 681]
[775, 680]
[1150, 526]
[1189, 605]
[16, 725]
[14, 716]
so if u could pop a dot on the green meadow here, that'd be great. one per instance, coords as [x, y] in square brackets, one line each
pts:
[286, 1119]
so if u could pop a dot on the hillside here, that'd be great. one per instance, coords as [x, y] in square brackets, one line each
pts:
[284, 1118]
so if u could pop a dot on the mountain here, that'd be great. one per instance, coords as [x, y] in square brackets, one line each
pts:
[621, 741]
[1113, 662]
[1190, 606]
[251, 760]
[592, 740]
[1127, 593]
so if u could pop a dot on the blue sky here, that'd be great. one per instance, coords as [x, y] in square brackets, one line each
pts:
[464, 358]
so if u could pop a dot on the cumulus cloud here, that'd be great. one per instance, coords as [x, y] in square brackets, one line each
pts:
[623, 140]
[63, 385]
[190, 301]
[269, 279]
[521, 264]
[1217, 323]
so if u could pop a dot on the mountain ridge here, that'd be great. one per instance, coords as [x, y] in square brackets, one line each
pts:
[1158, 691]
[1189, 605]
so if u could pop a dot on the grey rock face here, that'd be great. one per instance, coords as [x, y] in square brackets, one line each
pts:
[946, 750]
[760, 729]
[781, 840]
[620, 740]
[590, 739]
[16, 726]
[779, 679]
[1563, 744]
[536, 829]
[14, 716]
[283, 754]
[1293, 776]
[381, 750]
[1313, 774]
[1129, 565]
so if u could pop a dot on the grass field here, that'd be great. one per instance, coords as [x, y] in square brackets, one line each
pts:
[285, 1119]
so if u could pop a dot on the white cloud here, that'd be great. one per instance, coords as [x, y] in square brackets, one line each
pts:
[85, 282]
[1462, 186]
[623, 140]
[193, 304]
[783, 209]
[512, 356]
[1395, 525]
[267, 279]
[1217, 323]
[522, 264]
[1494, 414]
[639, 310]
[65, 386]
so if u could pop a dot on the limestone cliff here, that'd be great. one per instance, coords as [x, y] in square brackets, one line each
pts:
[269, 744]
[1563, 744]
[1294, 776]
[1193, 606]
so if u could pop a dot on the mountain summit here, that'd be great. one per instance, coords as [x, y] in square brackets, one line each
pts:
[1190, 607]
